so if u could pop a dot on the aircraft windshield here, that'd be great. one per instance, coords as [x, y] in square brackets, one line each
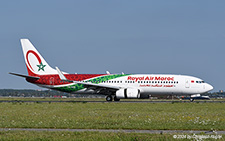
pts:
[200, 81]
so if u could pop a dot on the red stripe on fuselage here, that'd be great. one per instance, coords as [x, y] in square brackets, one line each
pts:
[55, 80]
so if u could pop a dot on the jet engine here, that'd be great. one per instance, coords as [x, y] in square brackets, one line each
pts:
[128, 93]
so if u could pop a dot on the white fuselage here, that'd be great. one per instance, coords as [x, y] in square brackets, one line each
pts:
[159, 84]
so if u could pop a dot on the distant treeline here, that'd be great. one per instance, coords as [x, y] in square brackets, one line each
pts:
[30, 93]
[39, 93]
[52, 93]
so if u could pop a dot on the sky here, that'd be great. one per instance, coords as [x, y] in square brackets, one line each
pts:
[86, 36]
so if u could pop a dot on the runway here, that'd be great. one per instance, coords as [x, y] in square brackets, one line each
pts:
[72, 101]
[118, 130]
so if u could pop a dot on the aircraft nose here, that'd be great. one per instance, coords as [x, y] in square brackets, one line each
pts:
[209, 87]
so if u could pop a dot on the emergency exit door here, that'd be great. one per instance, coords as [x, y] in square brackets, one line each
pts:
[187, 83]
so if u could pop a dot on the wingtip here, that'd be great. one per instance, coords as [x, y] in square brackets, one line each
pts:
[24, 39]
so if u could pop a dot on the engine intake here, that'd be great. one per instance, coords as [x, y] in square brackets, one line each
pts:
[128, 93]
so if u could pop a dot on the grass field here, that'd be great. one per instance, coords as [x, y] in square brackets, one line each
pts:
[84, 136]
[163, 116]
[178, 116]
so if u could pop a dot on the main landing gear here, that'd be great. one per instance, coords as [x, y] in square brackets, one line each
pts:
[116, 99]
[110, 98]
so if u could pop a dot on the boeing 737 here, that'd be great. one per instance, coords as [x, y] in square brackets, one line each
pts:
[113, 86]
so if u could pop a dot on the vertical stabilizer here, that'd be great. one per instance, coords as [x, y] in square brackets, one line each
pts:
[36, 64]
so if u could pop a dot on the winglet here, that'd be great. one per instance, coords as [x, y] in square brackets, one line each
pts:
[62, 77]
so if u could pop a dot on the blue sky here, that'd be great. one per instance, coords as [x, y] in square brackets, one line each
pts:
[161, 36]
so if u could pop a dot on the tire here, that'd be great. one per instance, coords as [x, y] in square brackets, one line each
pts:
[109, 98]
[191, 99]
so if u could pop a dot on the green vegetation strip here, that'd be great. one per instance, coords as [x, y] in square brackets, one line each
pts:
[44, 135]
[148, 116]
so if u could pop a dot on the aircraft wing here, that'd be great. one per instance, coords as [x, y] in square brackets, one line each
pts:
[87, 84]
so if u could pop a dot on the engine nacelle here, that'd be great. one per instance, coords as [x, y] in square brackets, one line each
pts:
[128, 93]
[196, 95]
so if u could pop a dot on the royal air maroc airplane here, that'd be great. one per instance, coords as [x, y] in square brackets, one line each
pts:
[113, 86]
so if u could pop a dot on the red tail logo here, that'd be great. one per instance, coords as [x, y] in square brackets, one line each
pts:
[40, 66]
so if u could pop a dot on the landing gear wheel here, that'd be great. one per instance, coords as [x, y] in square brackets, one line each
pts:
[109, 98]
[192, 99]
[116, 99]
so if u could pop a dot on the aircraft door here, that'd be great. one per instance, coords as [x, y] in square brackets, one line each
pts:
[187, 83]
[51, 81]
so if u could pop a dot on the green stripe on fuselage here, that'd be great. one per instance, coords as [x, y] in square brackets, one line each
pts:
[77, 87]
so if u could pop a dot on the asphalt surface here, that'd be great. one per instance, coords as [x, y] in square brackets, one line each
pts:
[117, 131]
[47, 101]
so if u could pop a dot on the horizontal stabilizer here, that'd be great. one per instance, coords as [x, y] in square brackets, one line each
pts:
[25, 76]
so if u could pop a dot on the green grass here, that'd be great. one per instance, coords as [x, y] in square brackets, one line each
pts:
[84, 136]
[187, 116]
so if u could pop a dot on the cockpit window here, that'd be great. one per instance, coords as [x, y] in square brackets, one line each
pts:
[200, 82]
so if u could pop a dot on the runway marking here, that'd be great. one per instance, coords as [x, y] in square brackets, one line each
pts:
[117, 130]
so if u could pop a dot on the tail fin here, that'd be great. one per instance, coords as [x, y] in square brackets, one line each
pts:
[36, 64]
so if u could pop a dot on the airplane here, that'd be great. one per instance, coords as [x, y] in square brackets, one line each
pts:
[113, 86]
